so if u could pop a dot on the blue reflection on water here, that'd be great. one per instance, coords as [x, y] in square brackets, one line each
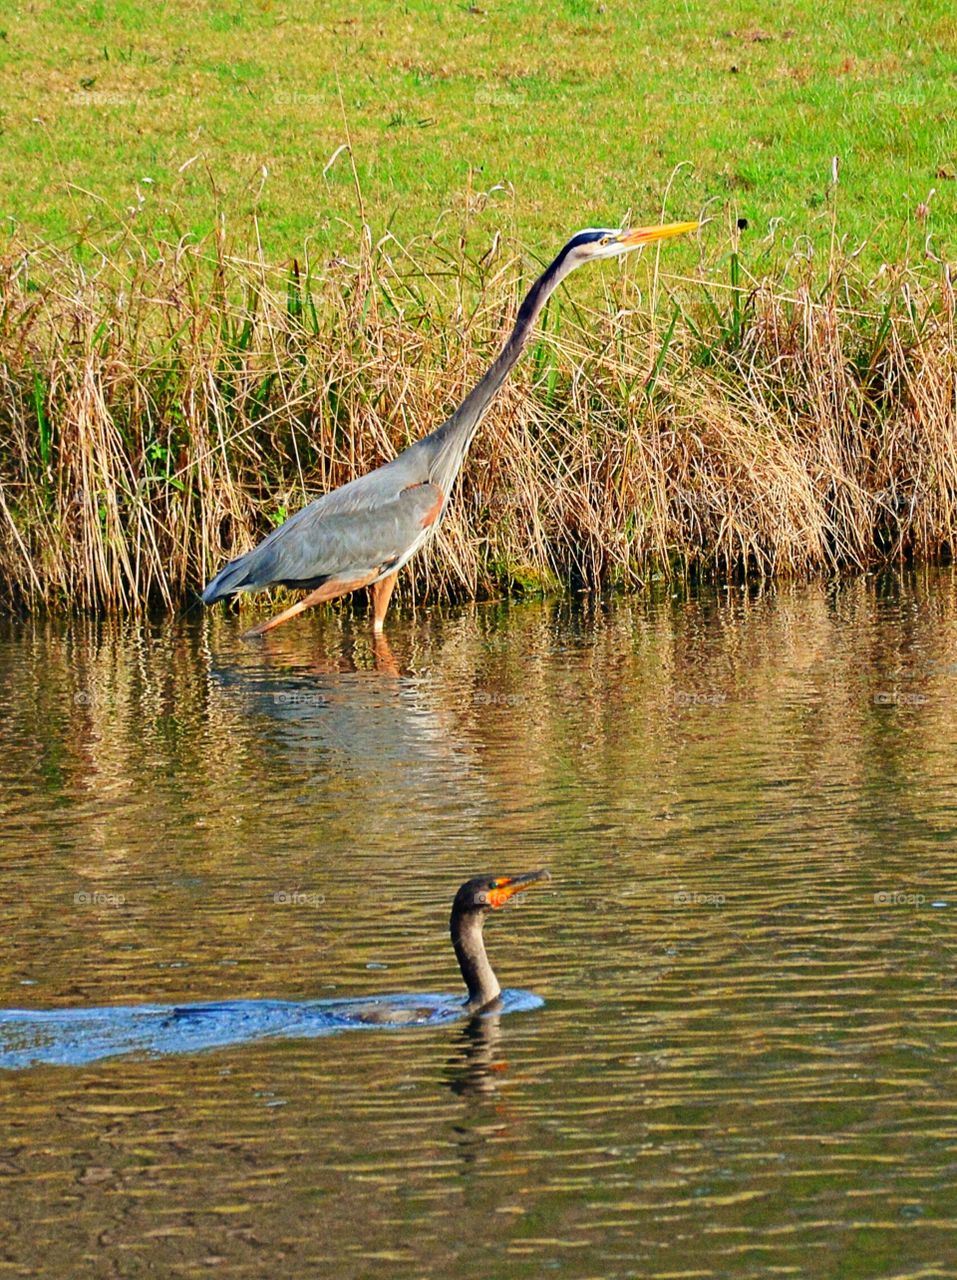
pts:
[73, 1037]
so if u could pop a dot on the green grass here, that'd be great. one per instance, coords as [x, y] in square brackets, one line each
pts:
[570, 114]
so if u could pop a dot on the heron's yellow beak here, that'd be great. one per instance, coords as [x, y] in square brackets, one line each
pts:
[645, 235]
[507, 886]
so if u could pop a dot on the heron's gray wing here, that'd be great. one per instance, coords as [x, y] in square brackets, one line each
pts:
[349, 533]
[331, 543]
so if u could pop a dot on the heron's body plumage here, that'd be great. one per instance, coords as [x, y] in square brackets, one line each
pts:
[372, 523]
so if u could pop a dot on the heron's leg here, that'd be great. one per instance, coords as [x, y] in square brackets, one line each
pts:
[328, 591]
[381, 595]
[385, 662]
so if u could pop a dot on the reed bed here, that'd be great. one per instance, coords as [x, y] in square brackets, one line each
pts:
[162, 405]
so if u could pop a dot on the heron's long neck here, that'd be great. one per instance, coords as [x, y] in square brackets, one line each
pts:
[466, 930]
[457, 433]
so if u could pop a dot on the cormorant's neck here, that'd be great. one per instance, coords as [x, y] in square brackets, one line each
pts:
[466, 930]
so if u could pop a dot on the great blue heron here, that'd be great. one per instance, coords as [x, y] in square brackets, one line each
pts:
[361, 534]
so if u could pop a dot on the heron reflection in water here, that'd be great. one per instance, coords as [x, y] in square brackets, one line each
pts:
[363, 533]
[330, 707]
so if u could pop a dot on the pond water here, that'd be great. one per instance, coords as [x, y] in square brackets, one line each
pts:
[744, 1062]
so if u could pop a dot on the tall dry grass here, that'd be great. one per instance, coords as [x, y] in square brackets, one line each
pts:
[162, 405]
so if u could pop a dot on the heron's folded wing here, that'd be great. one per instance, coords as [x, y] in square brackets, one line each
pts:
[319, 542]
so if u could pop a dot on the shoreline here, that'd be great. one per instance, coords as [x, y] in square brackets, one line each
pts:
[164, 409]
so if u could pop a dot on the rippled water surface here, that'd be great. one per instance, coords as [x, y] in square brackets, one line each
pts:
[745, 1060]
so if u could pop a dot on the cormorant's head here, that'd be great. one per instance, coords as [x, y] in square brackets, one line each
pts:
[487, 893]
[598, 242]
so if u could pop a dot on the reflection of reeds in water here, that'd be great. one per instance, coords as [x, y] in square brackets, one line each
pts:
[162, 407]
[542, 689]
[820, 686]
[530, 718]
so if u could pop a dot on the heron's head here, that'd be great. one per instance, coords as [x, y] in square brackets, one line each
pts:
[488, 893]
[598, 242]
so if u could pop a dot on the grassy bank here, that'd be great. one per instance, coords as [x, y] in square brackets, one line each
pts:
[583, 108]
[211, 310]
[163, 405]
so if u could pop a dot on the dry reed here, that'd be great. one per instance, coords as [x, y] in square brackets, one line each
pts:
[162, 405]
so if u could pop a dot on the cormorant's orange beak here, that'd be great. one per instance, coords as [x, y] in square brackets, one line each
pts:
[645, 235]
[507, 886]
